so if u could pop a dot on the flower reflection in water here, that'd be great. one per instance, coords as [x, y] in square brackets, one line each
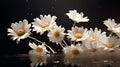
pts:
[38, 55]
[37, 59]
[108, 59]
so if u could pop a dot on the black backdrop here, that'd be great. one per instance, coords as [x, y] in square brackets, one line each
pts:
[15, 10]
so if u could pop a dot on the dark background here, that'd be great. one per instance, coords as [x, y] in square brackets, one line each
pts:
[16, 10]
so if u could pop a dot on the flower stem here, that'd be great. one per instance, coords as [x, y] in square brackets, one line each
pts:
[35, 39]
[42, 42]
[73, 24]
[50, 48]
[61, 45]
[65, 42]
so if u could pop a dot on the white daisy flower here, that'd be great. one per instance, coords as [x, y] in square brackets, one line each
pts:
[73, 54]
[56, 34]
[38, 54]
[88, 46]
[95, 40]
[40, 49]
[19, 30]
[97, 37]
[73, 51]
[112, 26]
[112, 43]
[78, 34]
[44, 23]
[77, 17]
[91, 47]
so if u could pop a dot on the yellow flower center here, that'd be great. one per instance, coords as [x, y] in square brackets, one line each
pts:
[75, 52]
[94, 39]
[20, 32]
[110, 45]
[56, 33]
[93, 50]
[78, 35]
[39, 50]
[45, 24]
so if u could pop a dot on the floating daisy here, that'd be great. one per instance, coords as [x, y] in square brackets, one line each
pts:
[19, 30]
[73, 51]
[77, 17]
[40, 49]
[73, 54]
[44, 23]
[77, 34]
[112, 43]
[38, 55]
[56, 34]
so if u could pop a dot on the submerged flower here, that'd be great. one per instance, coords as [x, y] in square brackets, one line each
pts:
[44, 23]
[77, 34]
[56, 34]
[19, 30]
[112, 26]
[77, 17]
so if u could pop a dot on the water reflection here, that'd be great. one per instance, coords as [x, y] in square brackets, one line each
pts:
[37, 59]
[61, 60]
